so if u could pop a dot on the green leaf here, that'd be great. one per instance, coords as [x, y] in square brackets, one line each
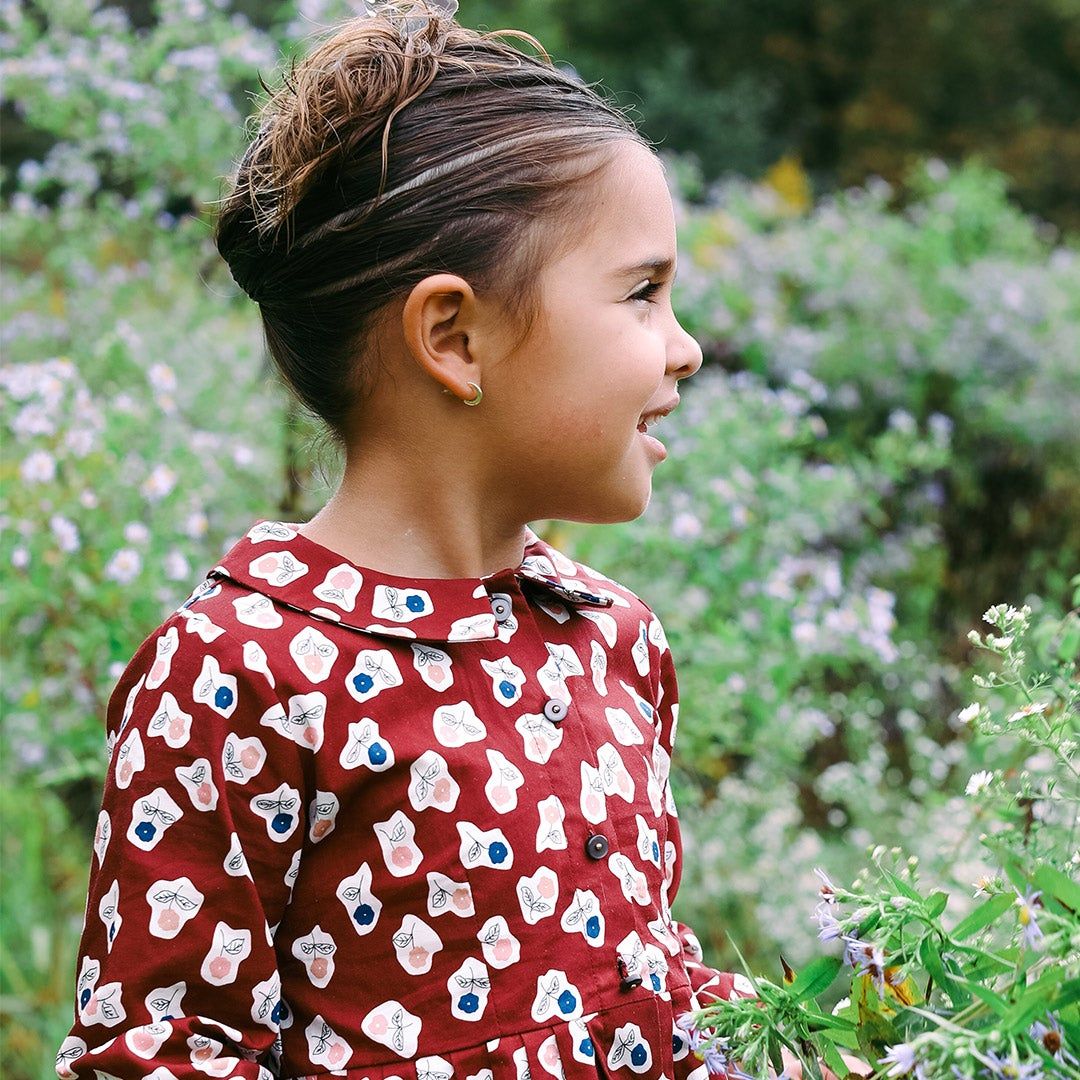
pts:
[1016, 875]
[1068, 994]
[931, 960]
[986, 995]
[1034, 1001]
[833, 1059]
[983, 916]
[815, 978]
[936, 903]
[1056, 884]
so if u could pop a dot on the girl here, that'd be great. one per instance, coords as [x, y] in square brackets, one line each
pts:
[388, 793]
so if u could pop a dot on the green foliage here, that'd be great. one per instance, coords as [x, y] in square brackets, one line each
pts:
[996, 993]
[881, 444]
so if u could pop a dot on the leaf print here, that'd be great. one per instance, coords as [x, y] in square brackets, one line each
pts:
[234, 945]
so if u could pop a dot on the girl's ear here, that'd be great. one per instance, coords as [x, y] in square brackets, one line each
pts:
[435, 323]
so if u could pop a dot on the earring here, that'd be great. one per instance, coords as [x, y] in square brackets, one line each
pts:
[473, 401]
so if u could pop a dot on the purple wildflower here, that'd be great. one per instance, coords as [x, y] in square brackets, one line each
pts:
[829, 925]
[1012, 1068]
[1028, 904]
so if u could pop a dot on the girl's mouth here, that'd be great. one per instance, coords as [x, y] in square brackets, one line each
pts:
[654, 445]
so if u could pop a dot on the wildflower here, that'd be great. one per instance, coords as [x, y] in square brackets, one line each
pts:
[686, 526]
[196, 524]
[1028, 920]
[1029, 710]
[867, 959]
[66, 533]
[162, 378]
[967, 715]
[715, 1061]
[983, 884]
[827, 892]
[135, 532]
[901, 1057]
[1012, 1068]
[979, 782]
[828, 926]
[38, 467]
[1053, 1041]
[124, 566]
[177, 568]
[159, 483]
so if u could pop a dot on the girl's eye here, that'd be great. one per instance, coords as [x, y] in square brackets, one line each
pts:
[648, 291]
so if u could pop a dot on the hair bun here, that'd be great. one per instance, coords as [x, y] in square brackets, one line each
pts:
[423, 25]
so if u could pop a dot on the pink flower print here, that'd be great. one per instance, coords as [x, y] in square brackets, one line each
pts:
[416, 944]
[500, 947]
[173, 904]
[230, 947]
[431, 784]
[541, 738]
[434, 666]
[456, 725]
[593, 805]
[538, 895]
[396, 838]
[502, 786]
[446, 895]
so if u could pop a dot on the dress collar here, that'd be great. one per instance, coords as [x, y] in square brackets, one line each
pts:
[276, 559]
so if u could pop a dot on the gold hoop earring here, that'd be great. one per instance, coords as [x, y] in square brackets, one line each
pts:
[479, 395]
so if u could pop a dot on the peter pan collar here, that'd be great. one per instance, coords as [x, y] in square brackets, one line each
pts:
[276, 559]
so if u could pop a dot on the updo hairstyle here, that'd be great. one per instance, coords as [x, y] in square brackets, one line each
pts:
[401, 146]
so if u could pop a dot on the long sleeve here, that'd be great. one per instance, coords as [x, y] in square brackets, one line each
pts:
[195, 853]
[708, 983]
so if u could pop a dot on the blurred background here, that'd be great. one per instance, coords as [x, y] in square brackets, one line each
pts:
[878, 211]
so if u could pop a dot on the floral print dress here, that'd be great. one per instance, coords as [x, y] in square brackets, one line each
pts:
[378, 827]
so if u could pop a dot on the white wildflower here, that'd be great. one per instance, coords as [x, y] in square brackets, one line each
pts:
[66, 532]
[196, 525]
[1029, 710]
[162, 378]
[969, 714]
[124, 566]
[177, 568]
[38, 467]
[159, 483]
[135, 532]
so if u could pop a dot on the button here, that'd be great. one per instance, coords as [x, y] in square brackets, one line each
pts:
[555, 710]
[596, 847]
[501, 606]
[626, 980]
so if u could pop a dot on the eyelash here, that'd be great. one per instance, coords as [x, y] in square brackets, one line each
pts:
[647, 292]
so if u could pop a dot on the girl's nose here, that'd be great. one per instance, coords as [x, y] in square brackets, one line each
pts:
[687, 356]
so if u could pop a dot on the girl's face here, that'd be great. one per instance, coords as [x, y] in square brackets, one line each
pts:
[606, 348]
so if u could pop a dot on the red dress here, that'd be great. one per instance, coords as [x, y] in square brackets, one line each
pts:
[372, 827]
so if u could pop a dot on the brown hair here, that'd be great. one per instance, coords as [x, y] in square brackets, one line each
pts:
[486, 165]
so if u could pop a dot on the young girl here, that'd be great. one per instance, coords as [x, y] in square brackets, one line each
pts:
[388, 793]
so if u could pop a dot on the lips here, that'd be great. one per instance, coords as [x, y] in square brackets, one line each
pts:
[658, 412]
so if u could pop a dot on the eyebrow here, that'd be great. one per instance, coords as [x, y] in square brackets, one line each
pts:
[658, 264]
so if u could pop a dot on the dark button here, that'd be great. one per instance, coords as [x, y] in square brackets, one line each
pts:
[596, 847]
[555, 710]
[626, 980]
[501, 606]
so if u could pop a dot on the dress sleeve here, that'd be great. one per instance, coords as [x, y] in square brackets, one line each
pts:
[195, 853]
[708, 983]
